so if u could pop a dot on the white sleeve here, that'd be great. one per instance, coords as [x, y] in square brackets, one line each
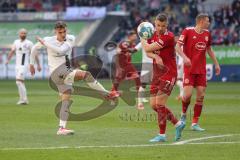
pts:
[13, 48]
[62, 50]
[138, 46]
[30, 45]
[34, 52]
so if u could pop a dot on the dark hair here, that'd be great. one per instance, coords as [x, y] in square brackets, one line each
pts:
[162, 17]
[201, 16]
[131, 32]
[60, 24]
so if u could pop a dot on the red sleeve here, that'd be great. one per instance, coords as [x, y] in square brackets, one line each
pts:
[210, 40]
[183, 37]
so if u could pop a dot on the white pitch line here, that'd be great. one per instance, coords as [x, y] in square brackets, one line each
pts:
[186, 142]
[204, 138]
[199, 143]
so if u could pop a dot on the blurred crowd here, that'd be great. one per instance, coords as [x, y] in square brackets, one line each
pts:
[46, 5]
[225, 20]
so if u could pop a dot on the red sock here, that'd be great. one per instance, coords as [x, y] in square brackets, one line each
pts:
[170, 116]
[162, 119]
[197, 113]
[115, 85]
[185, 106]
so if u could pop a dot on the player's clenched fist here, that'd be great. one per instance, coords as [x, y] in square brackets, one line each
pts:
[32, 69]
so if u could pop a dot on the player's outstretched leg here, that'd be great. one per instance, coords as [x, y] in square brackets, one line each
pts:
[94, 84]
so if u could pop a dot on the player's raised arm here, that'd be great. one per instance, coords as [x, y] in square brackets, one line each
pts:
[12, 51]
[153, 46]
[60, 50]
[214, 59]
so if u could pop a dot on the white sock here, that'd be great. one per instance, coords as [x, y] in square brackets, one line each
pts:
[141, 94]
[64, 113]
[62, 124]
[178, 124]
[194, 124]
[163, 135]
[24, 91]
[97, 86]
[180, 85]
[20, 90]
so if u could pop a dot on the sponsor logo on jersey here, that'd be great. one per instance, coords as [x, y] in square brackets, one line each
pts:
[186, 81]
[200, 46]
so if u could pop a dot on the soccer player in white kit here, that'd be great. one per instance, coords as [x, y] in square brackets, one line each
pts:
[180, 77]
[59, 48]
[146, 72]
[22, 47]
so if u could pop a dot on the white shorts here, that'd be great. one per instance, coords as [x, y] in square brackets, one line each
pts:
[146, 73]
[64, 79]
[20, 72]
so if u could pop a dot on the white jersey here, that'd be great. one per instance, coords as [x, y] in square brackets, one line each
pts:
[58, 52]
[23, 50]
[145, 58]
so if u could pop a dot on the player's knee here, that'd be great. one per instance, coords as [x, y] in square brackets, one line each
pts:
[186, 97]
[18, 83]
[153, 104]
[199, 100]
[88, 77]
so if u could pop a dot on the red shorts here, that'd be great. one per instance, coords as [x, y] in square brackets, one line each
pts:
[127, 72]
[194, 80]
[164, 84]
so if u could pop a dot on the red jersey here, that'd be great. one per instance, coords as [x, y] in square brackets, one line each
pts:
[124, 53]
[195, 46]
[167, 53]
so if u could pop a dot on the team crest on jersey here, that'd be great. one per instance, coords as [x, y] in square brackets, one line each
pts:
[206, 38]
[186, 81]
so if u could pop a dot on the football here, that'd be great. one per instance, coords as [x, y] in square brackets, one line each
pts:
[145, 30]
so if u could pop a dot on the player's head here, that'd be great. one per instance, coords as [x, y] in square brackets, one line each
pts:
[161, 23]
[132, 36]
[61, 30]
[22, 33]
[203, 21]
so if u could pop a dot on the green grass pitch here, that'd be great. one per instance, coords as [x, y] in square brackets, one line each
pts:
[29, 132]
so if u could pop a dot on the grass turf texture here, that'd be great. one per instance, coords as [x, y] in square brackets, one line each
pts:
[35, 126]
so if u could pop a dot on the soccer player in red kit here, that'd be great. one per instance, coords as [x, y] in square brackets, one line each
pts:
[192, 45]
[124, 67]
[161, 48]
